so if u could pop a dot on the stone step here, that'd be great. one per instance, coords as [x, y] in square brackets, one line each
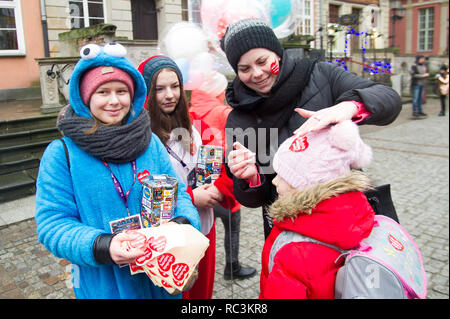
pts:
[29, 164]
[27, 124]
[17, 185]
[30, 136]
[22, 152]
[24, 134]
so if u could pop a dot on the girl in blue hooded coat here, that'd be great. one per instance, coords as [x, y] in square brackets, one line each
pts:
[110, 145]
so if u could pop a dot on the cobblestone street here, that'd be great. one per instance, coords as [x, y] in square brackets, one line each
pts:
[411, 155]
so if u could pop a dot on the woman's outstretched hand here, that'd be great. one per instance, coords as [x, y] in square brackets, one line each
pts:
[322, 118]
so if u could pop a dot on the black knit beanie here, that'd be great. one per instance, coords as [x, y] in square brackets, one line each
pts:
[248, 34]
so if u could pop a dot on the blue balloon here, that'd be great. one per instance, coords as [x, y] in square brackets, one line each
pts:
[183, 65]
[279, 11]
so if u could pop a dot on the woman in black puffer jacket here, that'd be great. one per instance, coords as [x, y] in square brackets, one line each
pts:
[276, 95]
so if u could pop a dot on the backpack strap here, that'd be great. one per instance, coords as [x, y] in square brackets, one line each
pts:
[287, 237]
[66, 150]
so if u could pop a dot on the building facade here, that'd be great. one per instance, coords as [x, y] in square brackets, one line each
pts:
[340, 28]
[21, 40]
[422, 27]
[29, 29]
[355, 24]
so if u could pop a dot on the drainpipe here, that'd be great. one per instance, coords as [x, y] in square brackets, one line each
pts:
[44, 29]
[321, 28]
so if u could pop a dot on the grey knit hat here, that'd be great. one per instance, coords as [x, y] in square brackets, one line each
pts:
[248, 34]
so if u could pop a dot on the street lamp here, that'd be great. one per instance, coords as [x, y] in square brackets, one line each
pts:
[331, 34]
[398, 12]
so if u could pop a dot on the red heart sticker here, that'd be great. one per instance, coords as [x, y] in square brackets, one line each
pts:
[396, 243]
[135, 267]
[138, 242]
[299, 144]
[165, 284]
[179, 271]
[165, 261]
[157, 244]
[142, 259]
[142, 175]
[178, 283]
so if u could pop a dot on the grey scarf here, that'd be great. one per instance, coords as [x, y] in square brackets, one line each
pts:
[113, 144]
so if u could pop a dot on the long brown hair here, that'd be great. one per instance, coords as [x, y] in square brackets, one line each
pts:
[162, 124]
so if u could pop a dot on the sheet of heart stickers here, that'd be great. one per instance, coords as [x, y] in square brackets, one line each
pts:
[172, 252]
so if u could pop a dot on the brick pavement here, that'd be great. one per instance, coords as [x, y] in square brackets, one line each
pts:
[414, 158]
[411, 155]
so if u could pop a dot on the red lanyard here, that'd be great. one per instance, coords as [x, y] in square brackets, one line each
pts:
[118, 187]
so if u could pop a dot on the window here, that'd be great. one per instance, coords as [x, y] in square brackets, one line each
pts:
[305, 18]
[333, 15]
[426, 29]
[12, 40]
[190, 10]
[84, 13]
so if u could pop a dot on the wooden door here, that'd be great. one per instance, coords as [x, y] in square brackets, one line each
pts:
[144, 16]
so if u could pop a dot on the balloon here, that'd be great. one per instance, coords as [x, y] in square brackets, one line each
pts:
[215, 85]
[210, 12]
[183, 40]
[283, 18]
[183, 65]
[196, 55]
[279, 11]
[203, 62]
[195, 80]
[217, 17]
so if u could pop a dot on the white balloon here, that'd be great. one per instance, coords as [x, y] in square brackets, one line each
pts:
[183, 40]
[215, 85]
[203, 62]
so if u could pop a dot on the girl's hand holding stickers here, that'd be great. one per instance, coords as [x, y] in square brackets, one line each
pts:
[170, 254]
[121, 253]
[241, 162]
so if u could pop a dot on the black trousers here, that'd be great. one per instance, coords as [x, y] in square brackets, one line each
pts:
[443, 98]
[232, 224]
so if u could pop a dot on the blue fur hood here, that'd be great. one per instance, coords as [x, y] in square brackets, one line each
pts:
[112, 54]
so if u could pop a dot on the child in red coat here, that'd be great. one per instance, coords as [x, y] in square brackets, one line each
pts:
[320, 196]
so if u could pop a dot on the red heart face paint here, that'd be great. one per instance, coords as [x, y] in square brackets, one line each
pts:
[275, 67]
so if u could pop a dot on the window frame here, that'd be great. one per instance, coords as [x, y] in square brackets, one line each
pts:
[189, 10]
[425, 30]
[306, 22]
[21, 49]
[86, 16]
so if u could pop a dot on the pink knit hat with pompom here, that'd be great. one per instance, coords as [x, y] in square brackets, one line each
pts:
[321, 156]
